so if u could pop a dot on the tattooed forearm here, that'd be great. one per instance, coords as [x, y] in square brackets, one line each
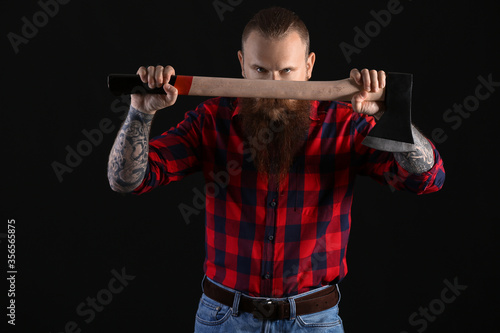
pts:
[129, 156]
[420, 160]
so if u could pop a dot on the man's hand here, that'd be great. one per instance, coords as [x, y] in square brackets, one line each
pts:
[371, 81]
[416, 162]
[155, 77]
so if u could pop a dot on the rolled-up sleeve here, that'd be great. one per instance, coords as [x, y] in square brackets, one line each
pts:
[383, 167]
[174, 154]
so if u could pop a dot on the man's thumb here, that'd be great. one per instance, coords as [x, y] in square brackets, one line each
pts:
[171, 92]
[363, 95]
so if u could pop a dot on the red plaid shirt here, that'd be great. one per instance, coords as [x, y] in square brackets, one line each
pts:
[271, 242]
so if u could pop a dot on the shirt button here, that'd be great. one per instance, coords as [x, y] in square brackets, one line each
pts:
[267, 276]
[273, 204]
[271, 237]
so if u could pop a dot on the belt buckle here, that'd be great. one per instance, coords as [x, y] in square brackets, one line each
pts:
[265, 309]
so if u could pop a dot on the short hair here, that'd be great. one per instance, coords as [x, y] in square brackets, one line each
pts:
[276, 23]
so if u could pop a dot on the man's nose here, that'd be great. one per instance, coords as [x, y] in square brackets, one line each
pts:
[275, 76]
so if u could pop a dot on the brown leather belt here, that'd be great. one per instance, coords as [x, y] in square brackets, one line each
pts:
[273, 309]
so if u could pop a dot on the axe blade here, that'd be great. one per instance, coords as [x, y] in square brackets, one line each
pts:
[393, 132]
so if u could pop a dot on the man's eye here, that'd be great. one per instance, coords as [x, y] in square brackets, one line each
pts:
[260, 70]
[287, 70]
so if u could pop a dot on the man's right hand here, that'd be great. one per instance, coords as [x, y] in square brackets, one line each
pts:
[155, 77]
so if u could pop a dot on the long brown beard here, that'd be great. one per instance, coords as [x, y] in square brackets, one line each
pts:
[275, 130]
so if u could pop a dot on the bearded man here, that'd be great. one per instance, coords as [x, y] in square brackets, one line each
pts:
[277, 228]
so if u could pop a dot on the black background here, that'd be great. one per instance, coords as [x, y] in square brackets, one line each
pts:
[71, 234]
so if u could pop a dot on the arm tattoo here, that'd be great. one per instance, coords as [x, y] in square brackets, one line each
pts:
[128, 159]
[420, 160]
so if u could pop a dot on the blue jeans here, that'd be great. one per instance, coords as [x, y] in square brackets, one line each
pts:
[214, 317]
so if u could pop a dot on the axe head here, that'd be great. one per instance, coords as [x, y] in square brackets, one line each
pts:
[393, 130]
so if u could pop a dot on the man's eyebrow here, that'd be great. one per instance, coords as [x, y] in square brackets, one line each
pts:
[260, 66]
[256, 66]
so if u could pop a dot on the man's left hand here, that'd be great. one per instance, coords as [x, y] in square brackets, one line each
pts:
[371, 81]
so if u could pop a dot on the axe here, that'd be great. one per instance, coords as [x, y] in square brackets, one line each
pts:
[391, 133]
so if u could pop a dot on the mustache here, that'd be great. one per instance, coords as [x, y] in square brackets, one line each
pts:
[264, 103]
[251, 105]
[272, 110]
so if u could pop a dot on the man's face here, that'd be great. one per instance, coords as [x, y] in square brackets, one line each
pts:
[276, 59]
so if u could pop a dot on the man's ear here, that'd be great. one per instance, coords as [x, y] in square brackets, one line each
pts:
[311, 59]
[240, 58]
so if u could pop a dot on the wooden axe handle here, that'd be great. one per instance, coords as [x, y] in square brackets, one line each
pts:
[340, 90]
